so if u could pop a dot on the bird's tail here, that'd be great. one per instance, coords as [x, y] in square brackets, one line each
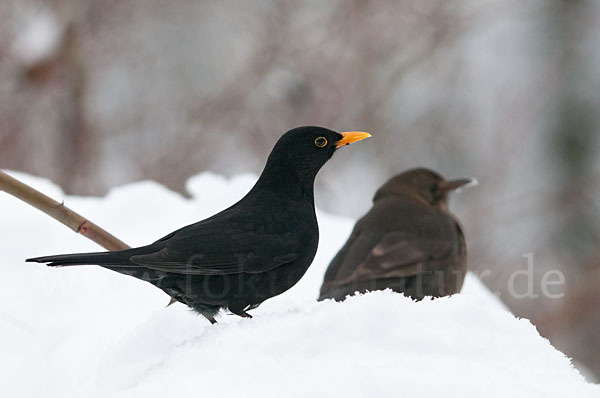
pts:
[98, 258]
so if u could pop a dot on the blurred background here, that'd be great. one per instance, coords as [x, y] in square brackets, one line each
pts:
[99, 93]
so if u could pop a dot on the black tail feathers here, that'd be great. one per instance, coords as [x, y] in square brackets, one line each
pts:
[101, 258]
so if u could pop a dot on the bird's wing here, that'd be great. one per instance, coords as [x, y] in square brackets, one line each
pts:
[206, 249]
[400, 254]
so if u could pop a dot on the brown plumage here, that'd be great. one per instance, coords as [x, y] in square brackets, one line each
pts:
[408, 242]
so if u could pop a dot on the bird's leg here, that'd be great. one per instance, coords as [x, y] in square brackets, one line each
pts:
[210, 317]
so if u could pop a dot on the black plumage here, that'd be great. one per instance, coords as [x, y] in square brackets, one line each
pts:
[256, 249]
[408, 242]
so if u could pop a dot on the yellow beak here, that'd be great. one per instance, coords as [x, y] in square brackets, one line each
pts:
[349, 137]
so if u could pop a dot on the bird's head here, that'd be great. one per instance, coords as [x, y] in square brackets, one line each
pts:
[425, 185]
[304, 150]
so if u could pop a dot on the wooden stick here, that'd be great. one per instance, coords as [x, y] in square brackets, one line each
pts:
[60, 212]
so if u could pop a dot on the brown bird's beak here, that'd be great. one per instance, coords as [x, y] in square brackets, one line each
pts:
[456, 185]
[349, 137]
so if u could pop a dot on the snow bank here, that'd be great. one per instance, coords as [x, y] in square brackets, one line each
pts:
[87, 331]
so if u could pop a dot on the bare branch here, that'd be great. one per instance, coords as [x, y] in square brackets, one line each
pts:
[60, 212]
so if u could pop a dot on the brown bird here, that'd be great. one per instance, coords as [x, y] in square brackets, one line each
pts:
[408, 242]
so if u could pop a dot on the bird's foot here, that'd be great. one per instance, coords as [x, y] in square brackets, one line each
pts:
[240, 308]
[242, 314]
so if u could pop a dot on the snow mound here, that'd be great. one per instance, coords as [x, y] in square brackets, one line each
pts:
[86, 331]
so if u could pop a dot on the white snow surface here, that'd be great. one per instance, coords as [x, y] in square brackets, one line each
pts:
[90, 332]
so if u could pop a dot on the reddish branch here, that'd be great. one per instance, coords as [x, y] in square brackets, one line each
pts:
[60, 212]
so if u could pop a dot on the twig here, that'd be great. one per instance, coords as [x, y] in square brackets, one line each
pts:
[60, 212]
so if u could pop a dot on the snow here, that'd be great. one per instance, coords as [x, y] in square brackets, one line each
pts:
[86, 331]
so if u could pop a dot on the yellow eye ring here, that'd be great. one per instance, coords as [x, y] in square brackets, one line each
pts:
[320, 142]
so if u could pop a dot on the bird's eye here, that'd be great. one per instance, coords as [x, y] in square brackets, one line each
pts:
[434, 189]
[321, 142]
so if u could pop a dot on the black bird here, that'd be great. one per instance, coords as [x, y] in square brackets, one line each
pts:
[408, 242]
[254, 250]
